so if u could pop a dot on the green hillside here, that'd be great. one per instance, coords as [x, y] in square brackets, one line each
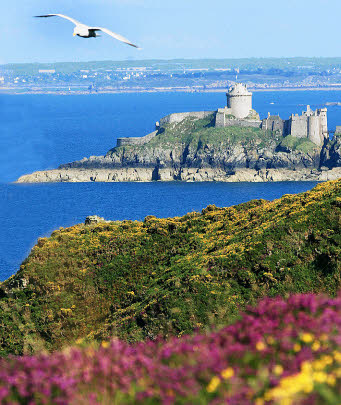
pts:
[138, 280]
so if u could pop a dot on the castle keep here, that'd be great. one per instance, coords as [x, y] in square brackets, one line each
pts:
[311, 124]
[238, 110]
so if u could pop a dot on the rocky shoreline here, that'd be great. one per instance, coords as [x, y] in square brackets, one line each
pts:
[184, 174]
[190, 147]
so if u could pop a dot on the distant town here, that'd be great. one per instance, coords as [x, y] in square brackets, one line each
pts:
[173, 75]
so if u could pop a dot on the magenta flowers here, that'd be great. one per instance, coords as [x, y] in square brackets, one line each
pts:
[282, 350]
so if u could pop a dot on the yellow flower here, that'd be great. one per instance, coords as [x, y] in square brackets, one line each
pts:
[308, 388]
[307, 337]
[259, 401]
[331, 380]
[227, 373]
[105, 345]
[337, 356]
[328, 360]
[319, 365]
[278, 369]
[285, 401]
[320, 377]
[315, 346]
[306, 367]
[337, 372]
[260, 346]
[297, 347]
[214, 384]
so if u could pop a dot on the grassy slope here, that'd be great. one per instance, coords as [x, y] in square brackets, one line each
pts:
[298, 144]
[199, 133]
[170, 276]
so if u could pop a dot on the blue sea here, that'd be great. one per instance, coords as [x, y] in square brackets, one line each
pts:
[40, 132]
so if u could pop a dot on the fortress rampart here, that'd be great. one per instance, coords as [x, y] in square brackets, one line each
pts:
[222, 119]
[178, 117]
[136, 141]
[311, 124]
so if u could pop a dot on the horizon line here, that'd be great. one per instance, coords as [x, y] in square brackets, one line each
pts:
[175, 59]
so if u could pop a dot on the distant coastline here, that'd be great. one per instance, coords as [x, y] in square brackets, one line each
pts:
[64, 92]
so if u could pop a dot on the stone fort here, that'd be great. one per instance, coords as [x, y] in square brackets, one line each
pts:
[311, 124]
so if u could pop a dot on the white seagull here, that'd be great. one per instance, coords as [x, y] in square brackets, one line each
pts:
[85, 31]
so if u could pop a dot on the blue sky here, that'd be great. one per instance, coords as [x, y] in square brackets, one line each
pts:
[171, 29]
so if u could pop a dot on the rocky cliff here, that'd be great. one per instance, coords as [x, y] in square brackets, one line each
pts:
[195, 150]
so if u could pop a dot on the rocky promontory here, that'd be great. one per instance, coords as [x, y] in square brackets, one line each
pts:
[195, 149]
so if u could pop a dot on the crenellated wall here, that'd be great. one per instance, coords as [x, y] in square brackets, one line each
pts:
[311, 124]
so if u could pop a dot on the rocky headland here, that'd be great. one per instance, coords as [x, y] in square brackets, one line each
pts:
[230, 144]
[194, 149]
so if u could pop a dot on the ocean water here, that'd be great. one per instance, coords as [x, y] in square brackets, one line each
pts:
[39, 132]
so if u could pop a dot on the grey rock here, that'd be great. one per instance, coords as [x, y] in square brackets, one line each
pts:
[94, 219]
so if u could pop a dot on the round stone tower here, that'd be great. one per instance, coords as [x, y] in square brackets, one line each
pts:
[324, 123]
[239, 100]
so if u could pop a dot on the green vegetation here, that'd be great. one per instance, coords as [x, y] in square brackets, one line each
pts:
[199, 133]
[138, 280]
[298, 144]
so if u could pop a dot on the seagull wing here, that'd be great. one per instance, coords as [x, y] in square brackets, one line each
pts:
[62, 16]
[114, 35]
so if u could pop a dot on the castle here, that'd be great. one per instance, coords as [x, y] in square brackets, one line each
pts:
[311, 124]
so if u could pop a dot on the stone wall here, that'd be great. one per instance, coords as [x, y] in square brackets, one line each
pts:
[274, 123]
[178, 117]
[136, 141]
[222, 120]
[299, 126]
[311, 124]
[242, 123]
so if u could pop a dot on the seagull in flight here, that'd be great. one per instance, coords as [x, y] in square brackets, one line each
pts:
[85, 31]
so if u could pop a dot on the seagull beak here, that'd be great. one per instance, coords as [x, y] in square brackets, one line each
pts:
[74, 34]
